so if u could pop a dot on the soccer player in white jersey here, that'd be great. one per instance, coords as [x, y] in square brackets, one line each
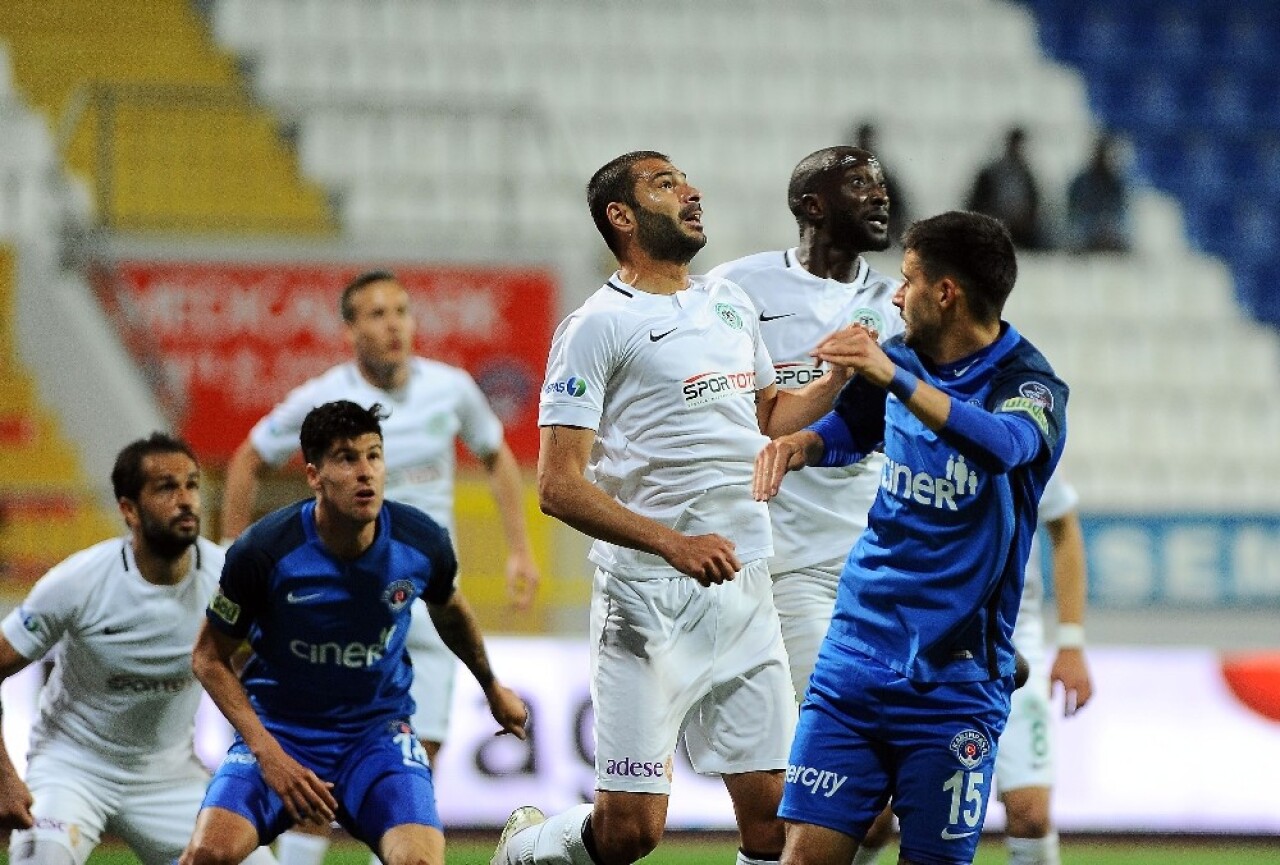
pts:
[112, 749]
[841, 204]
[1024, 763]
[430, 405]
[657, 392]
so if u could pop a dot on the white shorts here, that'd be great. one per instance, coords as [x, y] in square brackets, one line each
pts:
[78, 797]
[435, 669]
[669, 656]
[1025, 755]
[805, 598]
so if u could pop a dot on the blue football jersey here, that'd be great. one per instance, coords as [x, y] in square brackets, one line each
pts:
[932, 587]
[328, 634]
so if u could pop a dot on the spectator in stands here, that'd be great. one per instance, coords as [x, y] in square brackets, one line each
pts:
[1098, 202]
[1006, 188]
[867, 137]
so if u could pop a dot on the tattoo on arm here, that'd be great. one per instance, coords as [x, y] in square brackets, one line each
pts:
[459, 631]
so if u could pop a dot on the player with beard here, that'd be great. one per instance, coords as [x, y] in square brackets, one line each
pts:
[111, 749]
[656, 394]
[912, 685]
[840, 201]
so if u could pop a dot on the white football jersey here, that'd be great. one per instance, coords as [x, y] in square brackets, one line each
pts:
[819, 512]
[1058, 500]
[438, 404]
[122, 685]
[668, 382]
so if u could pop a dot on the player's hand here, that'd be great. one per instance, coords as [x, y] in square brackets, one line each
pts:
[15, 806]
[709, 559]
[782, 455]
[522, 580]
[307, 798]
[508, 710]
[857, 348]
[1072, 673]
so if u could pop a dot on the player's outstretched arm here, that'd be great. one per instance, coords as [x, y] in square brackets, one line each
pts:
[306, 797]
[240, 490]
[1070, 670]
[565, 493]
[15, 798]
[507, 486]
[459, 630]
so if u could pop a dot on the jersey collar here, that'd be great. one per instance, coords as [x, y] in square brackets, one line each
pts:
[791, 260]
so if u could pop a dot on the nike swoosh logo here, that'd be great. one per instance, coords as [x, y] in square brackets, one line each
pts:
[654, 337]
[764, 317]
[108, 631]
[302, 599]
[948, 835]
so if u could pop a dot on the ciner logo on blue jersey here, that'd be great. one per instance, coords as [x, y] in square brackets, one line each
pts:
[573, 386]
[899, 480]
[817, 780]
[354, 655]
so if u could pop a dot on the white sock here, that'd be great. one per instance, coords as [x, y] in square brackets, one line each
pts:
[558, 841]
[867, 855]
[744, 859]
[1034, 851]
[260, 856]
[299, 848]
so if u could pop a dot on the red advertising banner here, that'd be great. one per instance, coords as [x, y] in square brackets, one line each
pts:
[227, 341]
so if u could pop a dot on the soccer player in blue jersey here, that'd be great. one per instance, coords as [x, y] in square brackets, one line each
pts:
[913, 682]
[321, 590]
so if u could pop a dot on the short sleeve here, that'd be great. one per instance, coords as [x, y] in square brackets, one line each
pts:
[242, 590]
[1058, 499]
[275, 436]
[765, 373]
[1036, 395]
[584, 352]
[444, 571]
[36, 625]
[478, 426]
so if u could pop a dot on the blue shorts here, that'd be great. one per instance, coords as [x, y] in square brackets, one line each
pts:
[380, 778]
[867, 734]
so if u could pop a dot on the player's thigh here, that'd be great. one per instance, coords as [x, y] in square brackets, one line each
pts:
[1025, 758]
[817, 845]
[651, 662]
[944, 756]
[72, 804]
[157, 815]
[805, 598]
[385, 782]
[238, 788]
[838, 777]
[746, 720]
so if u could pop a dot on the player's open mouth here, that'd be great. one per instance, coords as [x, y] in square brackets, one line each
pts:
[692, 218]
[365, 495]
[880, 220]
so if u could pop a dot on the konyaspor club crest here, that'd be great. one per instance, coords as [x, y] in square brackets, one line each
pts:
[970, 747]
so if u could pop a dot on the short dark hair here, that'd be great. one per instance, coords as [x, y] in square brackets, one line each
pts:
[337, 421]
[127, 476]
[347, 306]
[974, 249]
[615, 181]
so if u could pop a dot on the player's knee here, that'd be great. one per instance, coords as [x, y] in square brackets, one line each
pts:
[625, 837]
[1026, 820]
[36, 852]
[880, 832]
[211, 851]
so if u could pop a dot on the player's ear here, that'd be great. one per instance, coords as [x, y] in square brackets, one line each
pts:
[313, 476]
[811, 205]
[620, 216]
[129, 511]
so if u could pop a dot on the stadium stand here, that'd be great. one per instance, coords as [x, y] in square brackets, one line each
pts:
[385, 95]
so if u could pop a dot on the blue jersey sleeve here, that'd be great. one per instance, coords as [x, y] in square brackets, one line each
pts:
[1024, 418]
[414, 528]
[242, 591]
[855, 425]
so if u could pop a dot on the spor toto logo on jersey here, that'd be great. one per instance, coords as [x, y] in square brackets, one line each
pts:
[707, 387]
[572, 386]
[793, 375]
